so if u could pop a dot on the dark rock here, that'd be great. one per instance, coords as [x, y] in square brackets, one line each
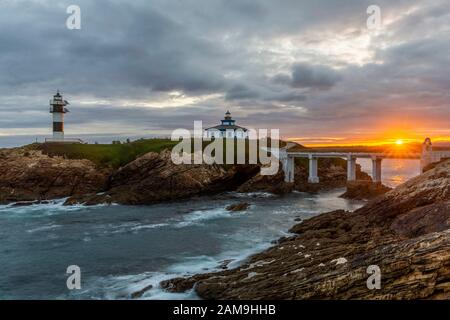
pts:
[363, 190]
[238, 207]
[140, 293]
[271, 184]
[29, 203]
[224, 264]
[154, 178]
[177, 285]
[24, 203]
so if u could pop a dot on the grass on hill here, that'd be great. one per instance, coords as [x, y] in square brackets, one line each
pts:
[117, 155]
[114, 155]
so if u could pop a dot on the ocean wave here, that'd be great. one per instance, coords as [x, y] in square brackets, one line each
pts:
[47, 208]
[197, 217]
[132, 227]
[123, 287]
[149, 226]
[200, 216]
[44, 228]
[252, 194]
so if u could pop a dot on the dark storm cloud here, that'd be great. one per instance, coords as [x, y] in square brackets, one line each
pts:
[241, 91]
[223, 55]
[120, 46]
[311, 77]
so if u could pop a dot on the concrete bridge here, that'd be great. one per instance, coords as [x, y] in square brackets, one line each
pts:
[427, 156]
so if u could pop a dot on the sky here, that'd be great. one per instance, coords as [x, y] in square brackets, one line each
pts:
[312, 69]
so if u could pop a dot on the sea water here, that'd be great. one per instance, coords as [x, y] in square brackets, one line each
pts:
[122, 249]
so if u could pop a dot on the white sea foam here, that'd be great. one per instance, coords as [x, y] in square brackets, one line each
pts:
[149, 226]
[46, 227]
[252, 194]
[122, 287]
[52, 207]
[200, 216]
[128, 227]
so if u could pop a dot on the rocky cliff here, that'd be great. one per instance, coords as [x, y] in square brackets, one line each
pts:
[406, 233]
[154, 177]
[29, 175]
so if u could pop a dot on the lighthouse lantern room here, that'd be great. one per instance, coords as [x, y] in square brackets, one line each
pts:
[58, 109]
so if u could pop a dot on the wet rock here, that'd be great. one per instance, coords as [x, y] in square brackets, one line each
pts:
[29, 203]
[177, 285]
[224, 264]
[271, 184]
[364, 190]
[140, 293]
[238, 207]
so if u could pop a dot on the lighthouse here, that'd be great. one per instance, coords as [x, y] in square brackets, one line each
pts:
[228, 129]
[57, 108]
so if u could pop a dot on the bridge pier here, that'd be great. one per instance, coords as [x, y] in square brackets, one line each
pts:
[313, 165]
[376, 169]
[351, 168]
[289, 169]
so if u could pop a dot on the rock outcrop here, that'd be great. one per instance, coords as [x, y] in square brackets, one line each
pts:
[242, 206]
[364, 189]
[29, 175]
[154, 178]
[406, 233]
[272, 184]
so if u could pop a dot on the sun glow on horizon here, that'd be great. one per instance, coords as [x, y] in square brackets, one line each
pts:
[362, 142]
[398, 143]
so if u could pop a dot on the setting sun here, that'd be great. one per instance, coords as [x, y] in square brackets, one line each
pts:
[399, 142]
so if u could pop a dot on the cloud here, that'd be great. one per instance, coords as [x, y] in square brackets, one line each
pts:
[240, 91]
[306, 67]
[310, 77]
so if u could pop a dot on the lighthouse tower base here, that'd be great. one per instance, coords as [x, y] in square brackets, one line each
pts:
[58, 136]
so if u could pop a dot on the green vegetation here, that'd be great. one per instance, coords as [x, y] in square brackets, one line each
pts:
[114, 155]
[119, 154]
[246, 146]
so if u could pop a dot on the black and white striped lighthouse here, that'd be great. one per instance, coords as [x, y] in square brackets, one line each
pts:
[57, 108]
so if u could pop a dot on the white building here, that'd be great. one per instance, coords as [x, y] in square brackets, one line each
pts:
[228, 129]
